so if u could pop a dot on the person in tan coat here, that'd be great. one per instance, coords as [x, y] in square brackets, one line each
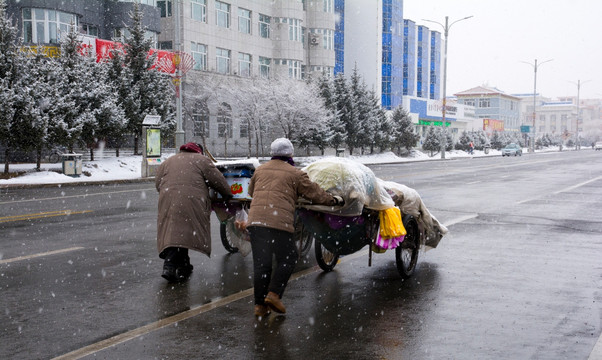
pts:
[275, 187]
[184, 209]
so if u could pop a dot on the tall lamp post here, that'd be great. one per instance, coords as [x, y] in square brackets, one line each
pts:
[534, 97]
[180, 134]
[446, 28]
[578, 83]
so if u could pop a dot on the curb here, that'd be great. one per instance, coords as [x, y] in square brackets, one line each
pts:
[77, 183]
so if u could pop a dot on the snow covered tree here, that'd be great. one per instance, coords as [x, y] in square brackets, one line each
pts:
[10, 58]
[345, 110]
[404, 135]
[464, 141]
[71, 110]
[148, 90]
[432, 141]
[496, 141]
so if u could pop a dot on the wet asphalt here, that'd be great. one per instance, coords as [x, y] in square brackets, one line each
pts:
[519, 276]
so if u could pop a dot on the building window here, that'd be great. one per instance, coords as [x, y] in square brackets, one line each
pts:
[165, 45]
[244, 129]
[294, 28]
[264, 26]
[294, 69]
[328, 6]
[264, 67]
[44, 26]
[199, 53]
[90, 30]
[199, 10]
[484, 103]
[244, 64]
[200, 119]
[223, 61]
[224, 121]
[164, 7]
[222, 14]
[244, 21]
[327, 37]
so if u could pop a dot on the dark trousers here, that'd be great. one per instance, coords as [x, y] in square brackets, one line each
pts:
[266, 242]
[175, 257]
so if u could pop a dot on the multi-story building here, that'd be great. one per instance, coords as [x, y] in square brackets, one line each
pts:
[44, 22]
[494, 104]
[421, 61]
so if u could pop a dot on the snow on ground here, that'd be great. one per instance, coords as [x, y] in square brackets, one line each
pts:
[129, 167]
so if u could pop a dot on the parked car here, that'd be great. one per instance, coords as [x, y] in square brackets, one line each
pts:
[598, 145]
[512, 149]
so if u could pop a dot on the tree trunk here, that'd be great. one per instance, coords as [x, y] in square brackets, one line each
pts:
[136, 145]
[91, 154]
[38, 158]
[6, 153]
[117, 151]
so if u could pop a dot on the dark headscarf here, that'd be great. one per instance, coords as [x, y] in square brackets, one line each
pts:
[192, 147]
[287, 159]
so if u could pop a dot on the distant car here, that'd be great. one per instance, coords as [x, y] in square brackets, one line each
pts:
[598, 145]
[512, 149]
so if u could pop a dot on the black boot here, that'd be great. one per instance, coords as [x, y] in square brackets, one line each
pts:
[176, 267]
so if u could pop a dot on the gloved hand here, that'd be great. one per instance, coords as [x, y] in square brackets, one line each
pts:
[339, 201]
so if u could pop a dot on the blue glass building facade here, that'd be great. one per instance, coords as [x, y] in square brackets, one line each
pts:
[435, 66]
[422, 61]
[409, 58]
[392, 54]
[339, 37]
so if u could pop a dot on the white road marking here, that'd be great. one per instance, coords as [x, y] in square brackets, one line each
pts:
[33, 256]
[129, 335]
[563, 190]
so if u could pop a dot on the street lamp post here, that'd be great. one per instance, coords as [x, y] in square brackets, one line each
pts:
[180, 134]
[578, 83]
[534, 97]
[446, 28]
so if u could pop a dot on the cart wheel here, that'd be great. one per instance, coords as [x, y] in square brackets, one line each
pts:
[326, 260]
[303, 239]
[54, 158]
[224, 236]
[406, 254]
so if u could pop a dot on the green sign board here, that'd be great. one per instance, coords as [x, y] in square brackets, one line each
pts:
[525, 129]
[433, 123]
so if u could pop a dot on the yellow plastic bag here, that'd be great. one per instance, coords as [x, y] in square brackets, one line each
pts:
[390, 223]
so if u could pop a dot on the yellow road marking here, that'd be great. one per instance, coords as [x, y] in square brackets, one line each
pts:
[41, 215]
[26, 257]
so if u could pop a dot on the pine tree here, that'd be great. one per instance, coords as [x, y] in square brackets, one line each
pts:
[463, 142]
[148, 91]
[496, 141]
[71, 110]
[432, 141]
[345, 110]
[10, 58]
[403, 130]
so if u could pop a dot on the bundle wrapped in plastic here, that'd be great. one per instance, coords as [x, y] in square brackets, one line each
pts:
[351, 180]
[409, 202]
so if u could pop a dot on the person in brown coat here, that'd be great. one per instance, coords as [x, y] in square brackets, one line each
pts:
[275, 187]
[184, 208]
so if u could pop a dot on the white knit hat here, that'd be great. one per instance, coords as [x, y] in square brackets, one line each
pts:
[282, 147]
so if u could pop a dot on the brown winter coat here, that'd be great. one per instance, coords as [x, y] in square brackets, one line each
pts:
[275, 187]
[184, 204]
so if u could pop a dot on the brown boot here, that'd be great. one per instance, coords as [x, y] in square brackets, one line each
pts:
[273, 301]
[261, 310]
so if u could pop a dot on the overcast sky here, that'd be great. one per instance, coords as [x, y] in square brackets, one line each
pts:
[490, 47]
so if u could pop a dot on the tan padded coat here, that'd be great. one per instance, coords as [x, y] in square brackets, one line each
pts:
[275, 187]
[184, 205]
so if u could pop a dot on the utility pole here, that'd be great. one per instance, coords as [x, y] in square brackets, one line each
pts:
[180, 135]
[532, 147]
[578, 83]
[446, 28]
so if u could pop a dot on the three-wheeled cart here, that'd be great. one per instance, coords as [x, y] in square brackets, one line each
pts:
[335, 235]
